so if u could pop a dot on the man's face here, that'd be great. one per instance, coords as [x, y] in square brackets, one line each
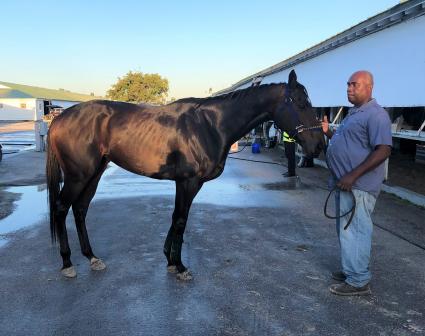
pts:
[359, 89]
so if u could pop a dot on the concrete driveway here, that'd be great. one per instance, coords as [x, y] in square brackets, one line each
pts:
[258, 245]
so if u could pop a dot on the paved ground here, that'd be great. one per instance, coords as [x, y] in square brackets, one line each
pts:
[14, 126]
[258, 245]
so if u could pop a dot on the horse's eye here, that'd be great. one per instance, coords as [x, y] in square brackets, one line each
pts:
[288, 99]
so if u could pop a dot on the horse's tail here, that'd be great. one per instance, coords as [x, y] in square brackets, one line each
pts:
[54, 178]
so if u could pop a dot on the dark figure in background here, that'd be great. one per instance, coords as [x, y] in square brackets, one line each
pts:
[355, 156]
[289, 144]
[267, 126]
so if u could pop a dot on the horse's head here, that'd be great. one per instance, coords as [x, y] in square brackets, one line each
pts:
[294, 114]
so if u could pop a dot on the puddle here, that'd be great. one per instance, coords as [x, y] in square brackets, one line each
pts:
[29, 210]
[288, 184]
[17, 141]
[119, 183]
[228, 191]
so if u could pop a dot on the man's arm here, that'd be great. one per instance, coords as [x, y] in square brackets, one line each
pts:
[379, 155]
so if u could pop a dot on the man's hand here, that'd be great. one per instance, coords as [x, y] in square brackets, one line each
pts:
[379, 155]
[347, 181]
[325, 124]
[325, 127]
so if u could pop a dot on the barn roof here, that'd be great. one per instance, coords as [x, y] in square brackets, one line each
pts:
[13, 91]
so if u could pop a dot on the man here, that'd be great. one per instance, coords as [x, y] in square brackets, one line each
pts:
[356, 155]
[267, 133]
[289, 145]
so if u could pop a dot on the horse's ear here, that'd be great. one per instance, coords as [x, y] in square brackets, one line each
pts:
[292, 80]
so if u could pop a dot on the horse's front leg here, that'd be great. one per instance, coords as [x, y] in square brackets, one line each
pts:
[167, 248]
[185, 193]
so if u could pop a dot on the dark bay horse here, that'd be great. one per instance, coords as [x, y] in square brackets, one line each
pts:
[186, 141]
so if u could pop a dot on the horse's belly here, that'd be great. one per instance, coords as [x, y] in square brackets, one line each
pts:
[142, 162]
[169, 166]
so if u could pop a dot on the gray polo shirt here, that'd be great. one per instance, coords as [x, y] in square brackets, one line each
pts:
[357, 136]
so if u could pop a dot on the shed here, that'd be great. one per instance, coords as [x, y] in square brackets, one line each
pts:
[23, 102]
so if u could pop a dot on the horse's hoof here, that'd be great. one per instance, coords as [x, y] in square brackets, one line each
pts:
[184, 276]
[97, 264]
[172, 269]
[69, 272]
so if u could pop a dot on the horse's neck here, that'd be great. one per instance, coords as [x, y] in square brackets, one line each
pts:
[237, 121]
[252, 121]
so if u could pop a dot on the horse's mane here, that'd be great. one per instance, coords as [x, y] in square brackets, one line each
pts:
[244, 92]
[231, 96]
[234, 95]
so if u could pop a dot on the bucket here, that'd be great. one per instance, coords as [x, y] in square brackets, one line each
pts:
[255, 148]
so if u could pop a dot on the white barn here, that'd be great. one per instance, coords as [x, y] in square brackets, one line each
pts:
[23, 102]
[391, 45]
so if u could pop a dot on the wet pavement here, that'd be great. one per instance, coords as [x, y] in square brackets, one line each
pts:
[13, 142]
[258, 245]
[30, 209]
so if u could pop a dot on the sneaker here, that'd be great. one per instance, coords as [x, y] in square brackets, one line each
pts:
[345, 289]
[287, 174]
[339, 276]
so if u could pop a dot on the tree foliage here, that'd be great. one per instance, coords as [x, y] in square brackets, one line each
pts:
[137, 87]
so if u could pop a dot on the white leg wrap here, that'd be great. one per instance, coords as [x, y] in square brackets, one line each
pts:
[184, 276]
[97, 264]
[69, 272]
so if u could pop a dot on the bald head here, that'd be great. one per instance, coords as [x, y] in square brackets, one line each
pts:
[359, 88]
[364, 75]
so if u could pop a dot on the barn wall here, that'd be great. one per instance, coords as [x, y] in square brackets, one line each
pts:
[10, 109]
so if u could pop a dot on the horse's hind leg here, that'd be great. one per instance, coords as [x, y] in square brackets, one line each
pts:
[67, 195]
[80, 208]
[185, 193]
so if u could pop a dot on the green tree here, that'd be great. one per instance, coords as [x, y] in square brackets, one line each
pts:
[137, 87]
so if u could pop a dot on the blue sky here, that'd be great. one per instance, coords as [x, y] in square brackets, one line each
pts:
[84, 46]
